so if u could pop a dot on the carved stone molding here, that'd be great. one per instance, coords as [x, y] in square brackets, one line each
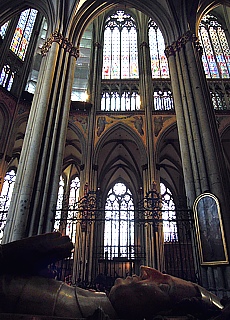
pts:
[63, 42]
[181, 42]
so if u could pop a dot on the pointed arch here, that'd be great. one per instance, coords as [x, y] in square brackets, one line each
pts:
[120, 153]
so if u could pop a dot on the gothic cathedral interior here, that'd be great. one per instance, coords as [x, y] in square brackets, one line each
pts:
[115, 131]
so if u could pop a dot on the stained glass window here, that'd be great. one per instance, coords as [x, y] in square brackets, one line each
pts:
[7, 77]
[120, 59]
[159, 63]
[65, 216]
[23, 33]
[3, 29]
[216, 52]
[119, 223]
[35, 67]
[168, 215]
[5, 198]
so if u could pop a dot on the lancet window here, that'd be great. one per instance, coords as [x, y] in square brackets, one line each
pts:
[120, 62]
[120, 59]
[5, 198]
[12, 71]
[23, 33]
[3, 29]
[33, 75]
[168, 215]
[66, 208]
[119, 223]
[159, 62]
[7, 77]
[216, 51]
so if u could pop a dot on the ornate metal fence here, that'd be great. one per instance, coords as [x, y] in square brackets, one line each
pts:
[172, 229]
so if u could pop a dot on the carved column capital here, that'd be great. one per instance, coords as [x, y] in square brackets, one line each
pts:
[181, 42]
[63, 42]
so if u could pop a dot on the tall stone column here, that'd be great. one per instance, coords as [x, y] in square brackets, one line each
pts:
[153, 242]
[201, 151]
[83, 255]
[36, 186]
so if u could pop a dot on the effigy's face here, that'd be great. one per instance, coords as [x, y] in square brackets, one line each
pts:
[149, 294]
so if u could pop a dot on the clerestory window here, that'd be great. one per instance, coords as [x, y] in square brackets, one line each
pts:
[120, 62]
[23, 31]
[216, 51]
[12, 68]
[159, 62]
[120, 59]
[3, 29]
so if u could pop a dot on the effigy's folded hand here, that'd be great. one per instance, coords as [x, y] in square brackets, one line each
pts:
[32, 254]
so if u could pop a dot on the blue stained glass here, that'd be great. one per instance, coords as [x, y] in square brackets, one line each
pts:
[120, 59]
[23, 33]
[216, 50]
[6, 77]
[159, 62]
[3, 29]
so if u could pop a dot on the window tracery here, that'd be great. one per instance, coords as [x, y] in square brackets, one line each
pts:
[3, 29]
[120, 62]
[120, 58]
[66, 210]
[168, 215]
[119, 222]
[7, 77]
[23, 31]
[216, 51]
[159, 62]
[5, 198]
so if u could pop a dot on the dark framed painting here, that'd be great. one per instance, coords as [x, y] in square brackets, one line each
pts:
[209, 230]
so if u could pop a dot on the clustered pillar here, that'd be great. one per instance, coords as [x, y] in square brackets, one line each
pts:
[35, 193]
[203, 165]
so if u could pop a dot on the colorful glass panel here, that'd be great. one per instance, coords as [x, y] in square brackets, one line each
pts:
[6, 77]
[216, 51]
[23, 33]
[120, 59]
[159, 62]
[3, 29]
